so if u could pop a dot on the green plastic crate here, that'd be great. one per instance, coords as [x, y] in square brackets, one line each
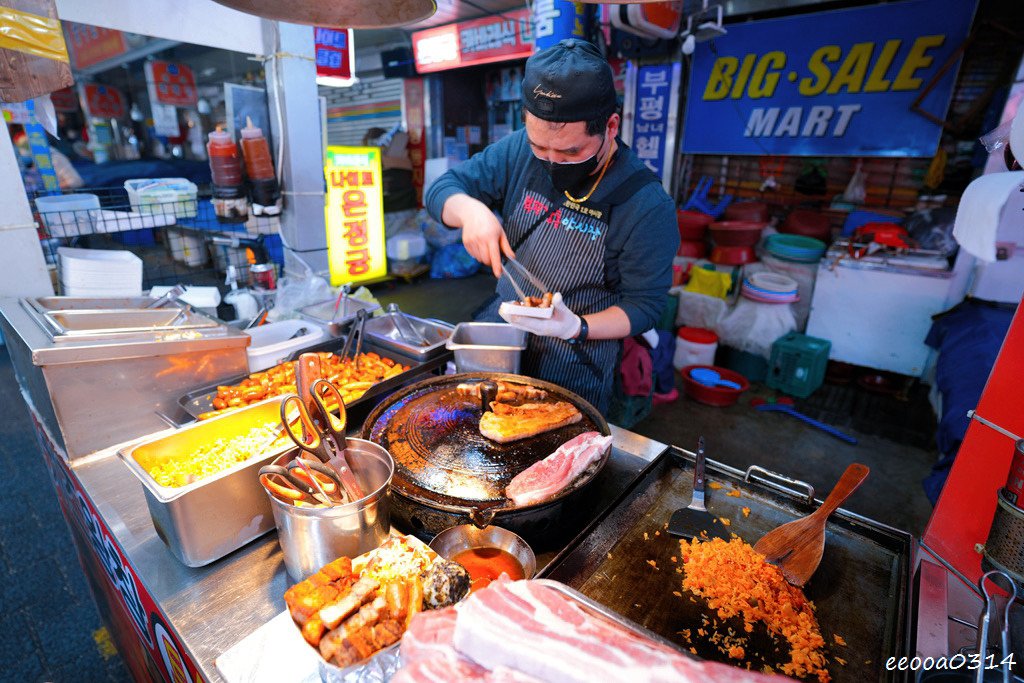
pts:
[797, 365]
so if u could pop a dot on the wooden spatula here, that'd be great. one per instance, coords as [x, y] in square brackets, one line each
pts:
[796, 547]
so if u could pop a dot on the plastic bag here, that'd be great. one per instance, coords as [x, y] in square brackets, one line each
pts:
[812, 179]
[295, 292]
[699, 310]
[709, 282]
[856, 191]
[453, 262]
[753, 327]
[407, 248]
[933, 229]
[805, 275]
[437, 235]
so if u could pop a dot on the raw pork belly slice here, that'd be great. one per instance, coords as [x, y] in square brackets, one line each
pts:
[526, 626]
[429, 637]
[457, 671]
[544, 479]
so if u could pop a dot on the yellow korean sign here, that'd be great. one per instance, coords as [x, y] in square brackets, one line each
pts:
[355, 215]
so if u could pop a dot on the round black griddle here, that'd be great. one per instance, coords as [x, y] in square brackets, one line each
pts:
[441, 459]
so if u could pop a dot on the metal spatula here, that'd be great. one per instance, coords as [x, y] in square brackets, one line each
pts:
[690, 521]
[796, 547]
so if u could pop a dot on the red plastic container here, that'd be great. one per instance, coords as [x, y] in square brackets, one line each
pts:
[736, 233]
[714, 396]
[692, 224]
[692, 249]
[808, 224]
[747, 211]
[733, 256]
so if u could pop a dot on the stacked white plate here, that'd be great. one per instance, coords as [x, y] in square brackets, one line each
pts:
[99, 272]
[770, 288]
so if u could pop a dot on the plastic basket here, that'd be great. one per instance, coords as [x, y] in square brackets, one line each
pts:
[69, 215]
[797, 364]
[174, 196]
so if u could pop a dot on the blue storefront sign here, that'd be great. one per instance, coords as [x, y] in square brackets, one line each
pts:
[652, 102]
[828, 83]
[555, 20]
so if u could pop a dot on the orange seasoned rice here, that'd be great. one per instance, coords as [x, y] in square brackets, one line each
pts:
[737, 581]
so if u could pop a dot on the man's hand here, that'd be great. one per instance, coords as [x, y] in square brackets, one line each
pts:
[482, 234]
[563, 323]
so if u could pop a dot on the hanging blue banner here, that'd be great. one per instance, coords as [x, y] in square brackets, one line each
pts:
[555, 20]
[828, 83]
[650, 111]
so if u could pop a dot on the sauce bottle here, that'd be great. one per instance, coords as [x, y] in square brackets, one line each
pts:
[258, 164]
[225, 164]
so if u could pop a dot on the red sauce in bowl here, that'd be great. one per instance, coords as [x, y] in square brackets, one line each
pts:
[486, 564]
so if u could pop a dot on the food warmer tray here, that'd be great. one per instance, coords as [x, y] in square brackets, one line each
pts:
[861, 588]
[199, 401]
[385, 331]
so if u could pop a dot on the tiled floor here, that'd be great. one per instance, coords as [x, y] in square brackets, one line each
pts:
[48, 619]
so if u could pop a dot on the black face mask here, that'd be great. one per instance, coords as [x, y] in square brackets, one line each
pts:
[566, 176]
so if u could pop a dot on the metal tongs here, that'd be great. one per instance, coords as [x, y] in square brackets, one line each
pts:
[172, 294]
[995, 607]
[524, 272]
[356, 330]
[342, 301]
[410, 334]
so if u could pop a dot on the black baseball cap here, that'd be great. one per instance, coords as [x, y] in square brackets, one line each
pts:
[569, 81]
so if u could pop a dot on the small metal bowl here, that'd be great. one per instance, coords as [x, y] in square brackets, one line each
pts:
[454, 540]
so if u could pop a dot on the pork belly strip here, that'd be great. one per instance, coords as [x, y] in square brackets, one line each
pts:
[335, 613]
[505, 423]
[535, 630]
[459, 670]
[544, 479]
[429, 636]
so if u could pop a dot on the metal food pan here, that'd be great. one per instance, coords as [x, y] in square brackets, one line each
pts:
[322, 313]
[200, 400]
[384, 330]
[487, 347]
[206, 520]
[861, 589]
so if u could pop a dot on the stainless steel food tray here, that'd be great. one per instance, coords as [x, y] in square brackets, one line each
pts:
[200, 400]
[206, 520]
[861, 589]
[385, 331]
[322, 313]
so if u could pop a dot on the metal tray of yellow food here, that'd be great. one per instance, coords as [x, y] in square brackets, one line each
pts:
[205, 520]
[199, 402]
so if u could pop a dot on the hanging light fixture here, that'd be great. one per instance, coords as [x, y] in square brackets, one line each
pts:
[339, 13]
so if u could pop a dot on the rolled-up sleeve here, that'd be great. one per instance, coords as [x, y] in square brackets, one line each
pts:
[645, 266]
[484, 176]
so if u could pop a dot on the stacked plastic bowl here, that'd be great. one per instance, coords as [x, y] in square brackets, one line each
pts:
[770, 288]
[795, 248]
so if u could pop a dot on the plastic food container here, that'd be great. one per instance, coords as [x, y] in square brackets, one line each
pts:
[312, 537]
[206, 520]
[714, 396]
[274, 343]
[736, 233]
[69, 215]
[694, 346]
[808, 224]
[692, 249]
[487, 347]
[747, 211]
[733, 256]
[206, 299]
[169, 196]
[99, 272]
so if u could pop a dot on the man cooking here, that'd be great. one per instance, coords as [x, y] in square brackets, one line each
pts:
[579, 210]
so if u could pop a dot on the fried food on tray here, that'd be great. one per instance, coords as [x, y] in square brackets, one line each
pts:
[508, 392]
[737, 581]
[280, 380]
[537, 301]
[351, 610]
[506, 423]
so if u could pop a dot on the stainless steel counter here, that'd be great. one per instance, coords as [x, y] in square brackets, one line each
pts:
[212, 608]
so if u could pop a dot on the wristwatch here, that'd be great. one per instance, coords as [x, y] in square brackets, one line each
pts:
[581, 336]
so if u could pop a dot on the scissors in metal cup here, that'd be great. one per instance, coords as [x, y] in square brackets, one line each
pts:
[303, 480]
[318, 435]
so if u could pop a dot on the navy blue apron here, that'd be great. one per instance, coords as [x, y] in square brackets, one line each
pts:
[563, 243]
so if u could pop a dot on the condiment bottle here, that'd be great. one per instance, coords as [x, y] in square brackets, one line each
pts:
[258, 164]
[225, 164]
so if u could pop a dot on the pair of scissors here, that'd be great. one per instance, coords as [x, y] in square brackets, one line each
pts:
[303, 480]
[317, 434]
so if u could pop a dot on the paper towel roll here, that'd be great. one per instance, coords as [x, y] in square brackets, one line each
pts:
[977, 218]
